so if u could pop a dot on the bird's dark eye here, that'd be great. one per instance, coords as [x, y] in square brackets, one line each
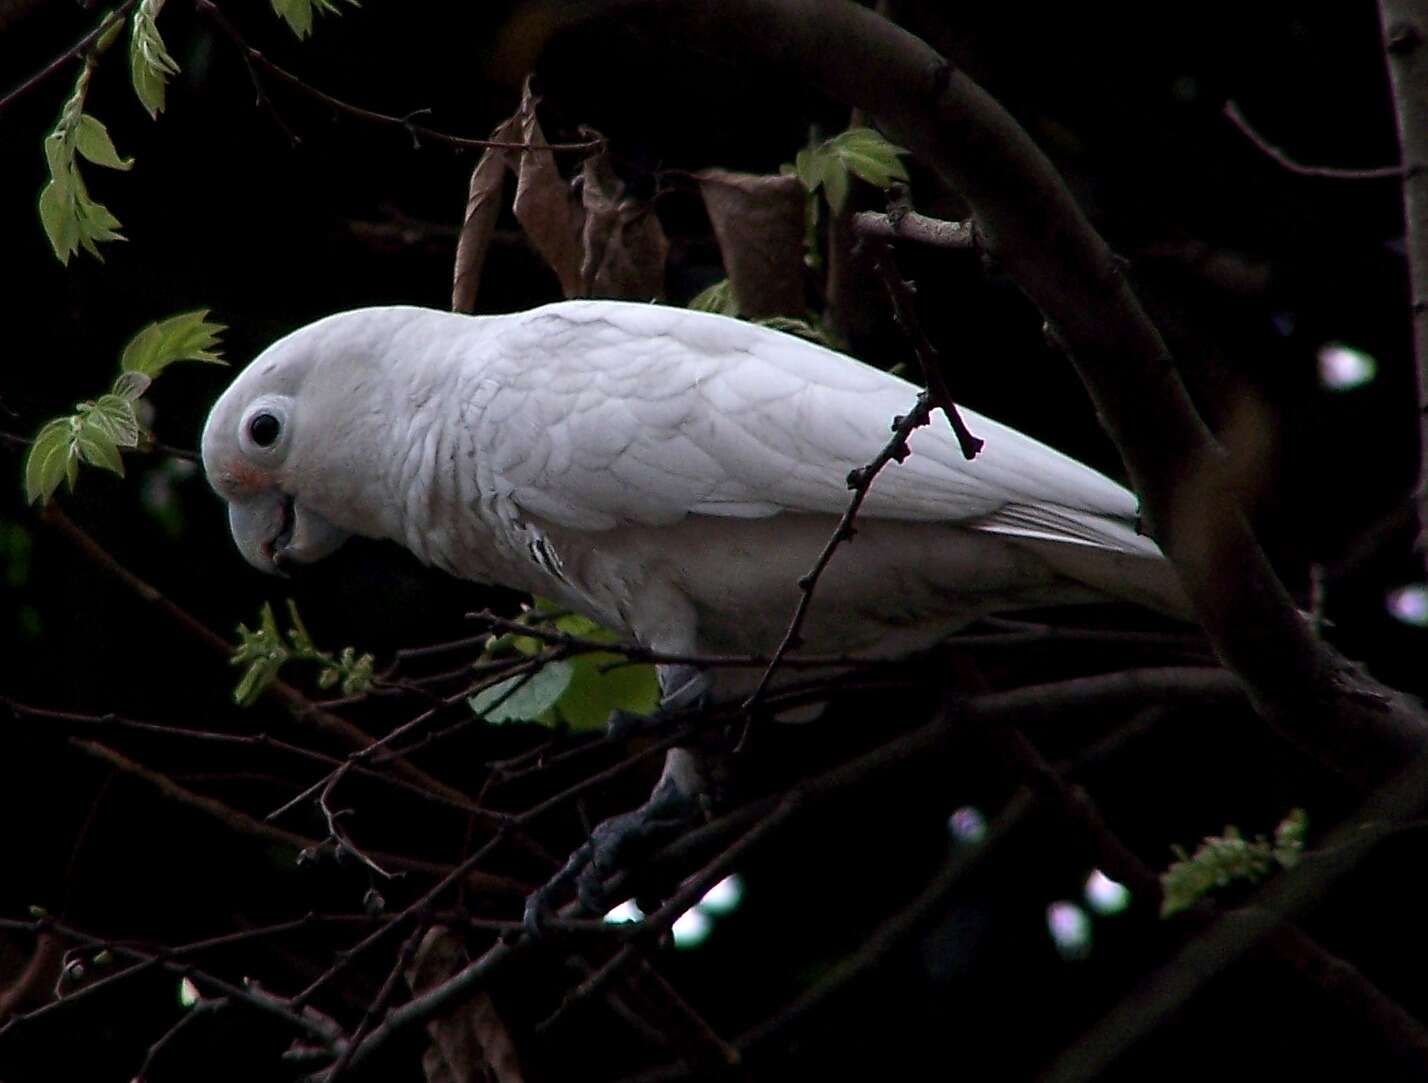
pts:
[264, 429]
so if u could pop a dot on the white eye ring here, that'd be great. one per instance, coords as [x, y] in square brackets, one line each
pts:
[264, 429]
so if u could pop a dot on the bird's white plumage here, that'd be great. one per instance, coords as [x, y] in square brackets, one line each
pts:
[669, 473]
[644, 414]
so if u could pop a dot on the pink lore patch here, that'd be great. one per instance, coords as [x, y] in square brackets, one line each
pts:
[240, 478]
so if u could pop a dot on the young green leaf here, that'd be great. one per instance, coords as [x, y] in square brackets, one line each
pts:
[602, 683]
[185, 337]
[1221, 860]
[48, 460]
[867, 154]
[71, 219]
[524, 698]
[150, 64]
[835, 181]
[114, 416]
[298, 13]
[92, 140]
[58, 218]
[263, 652]
[131, 385]
[94, 445]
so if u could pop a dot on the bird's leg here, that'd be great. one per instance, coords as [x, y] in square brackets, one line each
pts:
[680, 799]
[667, 622]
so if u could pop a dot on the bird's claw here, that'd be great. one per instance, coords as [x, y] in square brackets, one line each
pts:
[614, 846]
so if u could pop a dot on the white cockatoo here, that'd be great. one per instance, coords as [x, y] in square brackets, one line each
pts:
[670, 474]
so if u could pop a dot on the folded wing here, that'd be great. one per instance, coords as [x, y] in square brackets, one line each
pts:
[610, 413]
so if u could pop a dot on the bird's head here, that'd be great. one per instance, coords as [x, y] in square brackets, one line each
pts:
[295, 443]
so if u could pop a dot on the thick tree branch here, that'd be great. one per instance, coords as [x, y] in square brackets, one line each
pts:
[1405, 40]
[1028, 220]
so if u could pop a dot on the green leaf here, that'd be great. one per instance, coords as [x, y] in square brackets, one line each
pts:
[808, 165]
[96, 447]
[262, 652]
[835, 182]
[298, 13]
[48, 460]
[114, 416]
[716, 298]
[59, 156]
[109, 30]
[524, 698]
[601, 683]
[1221, 860]
[185, 337]
[92, 140]
[868, 155]
[57, 216]
[150, 64]
[131, 385]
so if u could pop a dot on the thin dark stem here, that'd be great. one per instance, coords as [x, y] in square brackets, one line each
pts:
[1232, 111]
[417, 131]
[77, 49]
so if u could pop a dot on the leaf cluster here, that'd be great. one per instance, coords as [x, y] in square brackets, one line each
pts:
[265, 650]
[860, 152]
[99, 430]
[1221, 860]
[579, 692]
[72, 219]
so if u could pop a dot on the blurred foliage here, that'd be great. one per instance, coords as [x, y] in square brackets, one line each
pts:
[1221, 860]
[264, 651]
[97, 431]
[579, 692]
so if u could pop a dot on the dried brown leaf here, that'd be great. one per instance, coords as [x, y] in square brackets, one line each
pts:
[625, 246]
[472, 1043]
[546, 208]
[758, 220]
[483, 204]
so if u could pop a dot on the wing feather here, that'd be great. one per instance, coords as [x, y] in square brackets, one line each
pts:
[609, 412]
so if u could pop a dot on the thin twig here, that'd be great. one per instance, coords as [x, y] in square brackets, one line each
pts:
[860, 481]
[74, 51]
[1232, 111]
[415, 130]
[302, 708]
[900, 292]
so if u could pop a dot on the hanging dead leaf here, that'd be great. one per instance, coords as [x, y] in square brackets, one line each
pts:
[472, 1043]
[546, 208]
[625, 246]
[758, 220]
[483, 204]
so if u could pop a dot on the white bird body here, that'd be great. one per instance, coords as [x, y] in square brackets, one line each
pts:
[671, 474]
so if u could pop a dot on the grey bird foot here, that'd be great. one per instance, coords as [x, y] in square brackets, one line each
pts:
[616, 845]
[682, 688]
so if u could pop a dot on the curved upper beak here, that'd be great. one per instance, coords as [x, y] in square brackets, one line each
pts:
[274, 531]
[262, 526]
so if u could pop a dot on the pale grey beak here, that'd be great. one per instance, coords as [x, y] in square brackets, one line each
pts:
[272, 530]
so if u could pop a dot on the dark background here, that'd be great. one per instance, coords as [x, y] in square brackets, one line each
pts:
[1247, 268]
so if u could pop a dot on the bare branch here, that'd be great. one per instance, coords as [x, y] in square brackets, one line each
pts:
[75, 51]
[1405, 41]
[1333, 172]
[928, 105]
[911, 226]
